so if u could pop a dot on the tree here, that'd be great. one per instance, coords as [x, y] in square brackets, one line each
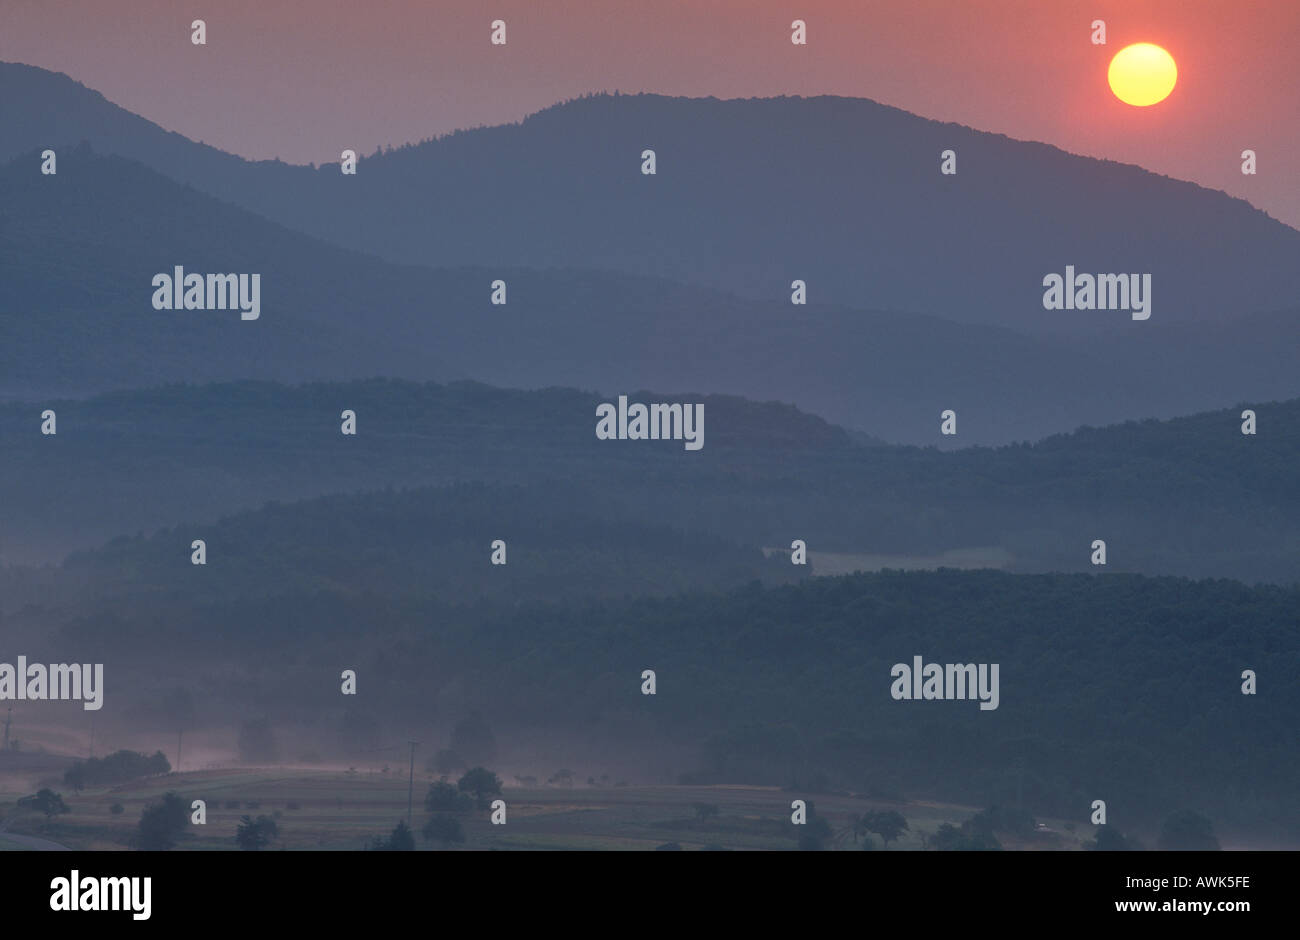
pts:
[705, 810]
[45, 801]
[809, 843]
[815, 830]
[399, 840]
[1004, 819]
[75, 776]
[118, 767]
[444, 828]
[969, 838]
[483, 783]
[255, 834]
[889, 825]
[858, 826]
[1187, 831]
[1110, 839]
[444, 798]
[161, 824]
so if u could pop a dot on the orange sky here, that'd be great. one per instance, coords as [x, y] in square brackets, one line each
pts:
[302, 79]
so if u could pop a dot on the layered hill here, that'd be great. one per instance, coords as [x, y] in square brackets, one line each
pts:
[79, 251]
[748, 195]
[1191, 496]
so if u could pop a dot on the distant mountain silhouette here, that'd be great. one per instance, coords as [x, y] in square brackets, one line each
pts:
[843, 193]
[78, 252]
[1190, 496]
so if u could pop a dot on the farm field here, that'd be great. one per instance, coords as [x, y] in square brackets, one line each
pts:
[330, 810]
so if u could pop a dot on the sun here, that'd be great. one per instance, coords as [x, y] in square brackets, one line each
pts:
[1142, 74]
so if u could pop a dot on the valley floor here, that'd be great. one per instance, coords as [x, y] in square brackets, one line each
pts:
[331, 810]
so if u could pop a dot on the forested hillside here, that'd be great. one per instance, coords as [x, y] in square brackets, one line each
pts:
[1190, 496]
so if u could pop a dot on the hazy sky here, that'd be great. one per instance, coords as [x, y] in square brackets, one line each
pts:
[303, 79]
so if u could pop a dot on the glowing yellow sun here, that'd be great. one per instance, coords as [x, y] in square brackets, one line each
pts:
[1142, 74]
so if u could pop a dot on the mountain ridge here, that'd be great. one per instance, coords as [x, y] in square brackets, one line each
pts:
[78, 251]
[1190, 496]
[579, 200]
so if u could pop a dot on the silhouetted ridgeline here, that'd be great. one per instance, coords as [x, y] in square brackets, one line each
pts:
[886, 245]
[1189, 496]
[427, 543]
[844, 193]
